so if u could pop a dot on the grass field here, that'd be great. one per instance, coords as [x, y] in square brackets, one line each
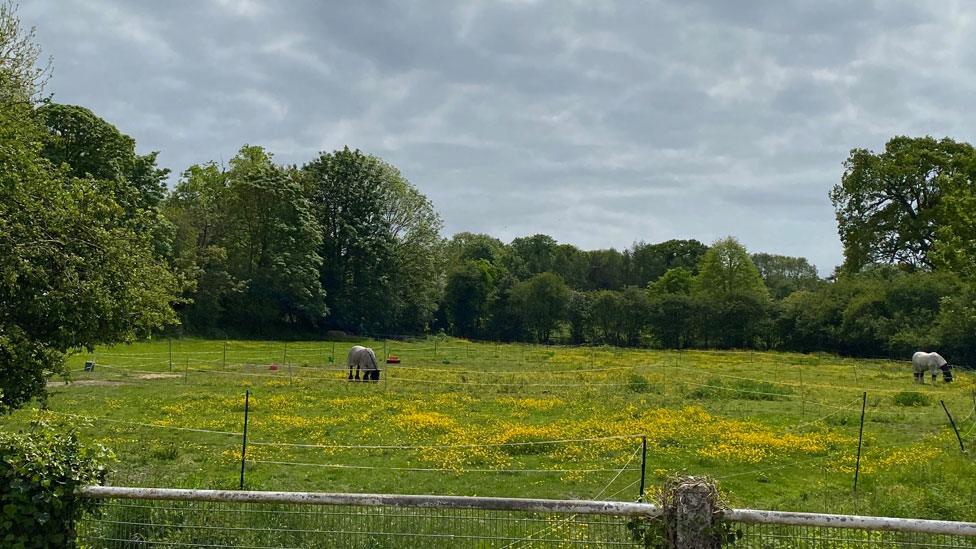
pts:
[779, 431]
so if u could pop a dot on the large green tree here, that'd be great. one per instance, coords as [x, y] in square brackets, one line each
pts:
[381, 247]
[73, 272]
[784, 275]
[672, 311]
[732, 292]
[648, 262]
[606, 316]
[93, 148]
[418, 252]
[469, 287]
[197, 208]
[954, 247]
[271, 242]
[888, 203]
[531, 255]
[542, 301]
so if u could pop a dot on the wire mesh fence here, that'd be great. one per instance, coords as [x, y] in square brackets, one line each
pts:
[141, 517]
[775, 536]
[134, 523]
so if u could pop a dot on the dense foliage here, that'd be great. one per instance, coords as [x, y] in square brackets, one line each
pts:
[40, 471]
[80, 245]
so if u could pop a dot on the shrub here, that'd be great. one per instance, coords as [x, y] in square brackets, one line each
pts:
[912, 398]
[40, 473]
[639, 384]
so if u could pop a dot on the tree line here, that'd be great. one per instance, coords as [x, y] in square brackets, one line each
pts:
[96, 247]
[345, 242]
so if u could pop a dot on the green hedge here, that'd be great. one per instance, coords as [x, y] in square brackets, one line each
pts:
[40, 472]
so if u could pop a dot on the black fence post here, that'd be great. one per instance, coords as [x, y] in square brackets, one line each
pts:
[860, 438]
[247, 395]
[640, 494]
[953, 423]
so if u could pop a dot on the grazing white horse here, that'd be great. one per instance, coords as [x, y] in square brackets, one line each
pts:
[363, 358]
[931, 362]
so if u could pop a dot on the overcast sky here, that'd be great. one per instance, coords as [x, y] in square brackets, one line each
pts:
[598, 123]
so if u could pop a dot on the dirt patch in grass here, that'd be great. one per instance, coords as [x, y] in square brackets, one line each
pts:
[83, 382]
[158, 376]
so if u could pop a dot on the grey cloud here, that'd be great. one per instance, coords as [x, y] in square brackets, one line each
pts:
[600, 123]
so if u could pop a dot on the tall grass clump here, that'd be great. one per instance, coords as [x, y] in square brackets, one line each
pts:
[912, 398]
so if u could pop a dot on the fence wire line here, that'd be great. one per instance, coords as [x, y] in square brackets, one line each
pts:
[622, 469]
[624, 489]
[573, 517]
[441, 446]
[522, 371]
[840, 409]
[349, 446]
[867, 448]
[428, 469]
[140, 424]
[788, 383]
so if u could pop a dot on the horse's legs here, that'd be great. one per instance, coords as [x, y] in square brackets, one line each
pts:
[350, 373]
[357, 372]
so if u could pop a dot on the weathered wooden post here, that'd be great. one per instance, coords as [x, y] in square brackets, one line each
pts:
[691, 511]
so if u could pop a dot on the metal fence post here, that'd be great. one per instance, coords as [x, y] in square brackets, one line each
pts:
[803, 398]
[953, 423]
[170, 354]
[860, 438]
[223, 363]
[640, 494]
[247, 395]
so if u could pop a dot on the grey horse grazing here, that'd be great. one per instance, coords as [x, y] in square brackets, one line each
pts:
[931, 362]
[363, 358]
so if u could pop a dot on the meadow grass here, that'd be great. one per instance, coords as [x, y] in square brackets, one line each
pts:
[778, 430]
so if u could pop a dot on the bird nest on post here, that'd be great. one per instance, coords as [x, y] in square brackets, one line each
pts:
[691, 508]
